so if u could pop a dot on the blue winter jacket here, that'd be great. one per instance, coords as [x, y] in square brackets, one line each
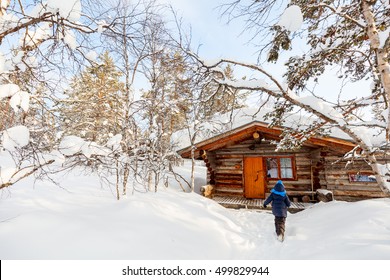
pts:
[279, 199]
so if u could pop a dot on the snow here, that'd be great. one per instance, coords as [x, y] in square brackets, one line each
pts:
[291, 19]
[55, 155]
[383, 36]
[82, 220]
[8, 21]
[6, 174]
[70, 39]
[8, 90]
[2, 63]
[91, 55]
[114, 142]
[21, 100]
[36, 36]
[15, 137]
[324, 191]
[101, 26]
[250, 84]
[70, 9]
[245, 116]
[71, 145]
[320, 106]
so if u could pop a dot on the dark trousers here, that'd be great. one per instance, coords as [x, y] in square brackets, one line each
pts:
[280, 225]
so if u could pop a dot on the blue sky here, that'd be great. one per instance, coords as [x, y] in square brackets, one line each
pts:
[218, 39]
[211, 31]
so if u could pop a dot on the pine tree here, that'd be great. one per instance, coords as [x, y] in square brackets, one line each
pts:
[167, 100]
[93, 108]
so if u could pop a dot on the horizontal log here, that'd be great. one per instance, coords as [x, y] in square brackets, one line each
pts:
[225, 167]
[228, 171]
[299, 193]
[359, 193]
[294, 189]
[303, 189]
[288, 184]
[351, 167]
[345, 172]
[227, 181]
[304, 177]
[233, 165]
[231, 186]
[354, 187]
[345, 182]
[229, 175]
[235, 157]
[348, 198]
[301, 166]
[229, 190]
[352, 198]
[229, 159]
[230, 194]
[229, 178]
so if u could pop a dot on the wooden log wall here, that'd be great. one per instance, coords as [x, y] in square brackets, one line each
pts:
[337, 180]
[228, 168]
[315, 169]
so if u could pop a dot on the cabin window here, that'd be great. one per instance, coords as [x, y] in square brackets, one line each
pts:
[359, 177]
[280, 167]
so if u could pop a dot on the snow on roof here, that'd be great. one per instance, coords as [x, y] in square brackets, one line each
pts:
[241, 117]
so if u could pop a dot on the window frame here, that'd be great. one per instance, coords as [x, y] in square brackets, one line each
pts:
[293, 167]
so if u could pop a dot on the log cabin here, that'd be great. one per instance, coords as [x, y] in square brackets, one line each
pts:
[245, 163]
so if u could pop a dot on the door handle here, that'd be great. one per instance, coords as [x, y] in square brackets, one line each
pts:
[257, 176]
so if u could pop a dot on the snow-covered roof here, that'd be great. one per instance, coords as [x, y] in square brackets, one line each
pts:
[244, 128]
[230, 123]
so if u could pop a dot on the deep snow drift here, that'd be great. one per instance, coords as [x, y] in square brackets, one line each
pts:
[82, 220]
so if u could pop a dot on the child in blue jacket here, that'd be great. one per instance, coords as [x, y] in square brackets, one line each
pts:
[280, 203]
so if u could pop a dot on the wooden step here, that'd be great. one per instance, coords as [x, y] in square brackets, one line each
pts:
[241, 202]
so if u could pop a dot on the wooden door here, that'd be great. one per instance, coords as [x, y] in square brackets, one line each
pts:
[254, 178]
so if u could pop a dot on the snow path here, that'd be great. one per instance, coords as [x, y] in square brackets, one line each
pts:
[83, 220]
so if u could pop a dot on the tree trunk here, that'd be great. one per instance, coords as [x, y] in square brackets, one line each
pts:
[126, 173]
[192, 168]
[384, 71]
[117, 180]
[382, 55]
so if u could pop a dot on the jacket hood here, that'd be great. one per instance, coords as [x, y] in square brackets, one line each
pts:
[279, 187]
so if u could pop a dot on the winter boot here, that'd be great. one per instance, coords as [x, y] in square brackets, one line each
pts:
[280, 227]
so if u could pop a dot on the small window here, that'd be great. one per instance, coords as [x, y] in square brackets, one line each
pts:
[359, 177]
[280, 167]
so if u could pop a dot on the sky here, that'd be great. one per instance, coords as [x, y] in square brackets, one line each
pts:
[210, 30]
[218, 39]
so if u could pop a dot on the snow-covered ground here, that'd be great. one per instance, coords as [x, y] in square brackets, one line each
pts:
[83, 220]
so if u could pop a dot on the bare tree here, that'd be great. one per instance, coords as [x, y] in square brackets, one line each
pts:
[43, 43]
